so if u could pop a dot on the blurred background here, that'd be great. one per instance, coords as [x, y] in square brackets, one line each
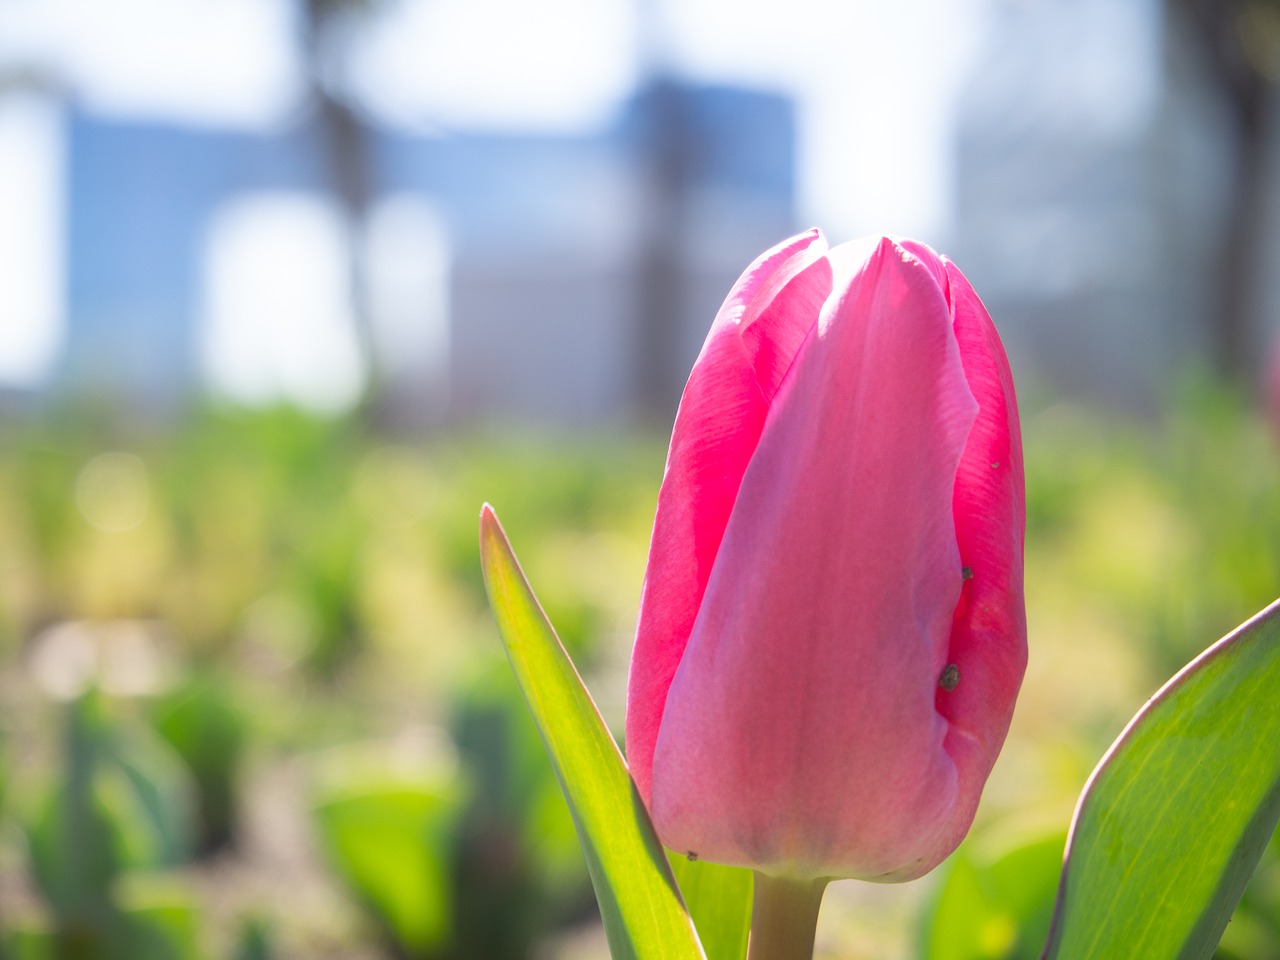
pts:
[290, 286]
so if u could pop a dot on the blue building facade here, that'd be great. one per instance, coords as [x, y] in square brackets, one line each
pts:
[545, 235]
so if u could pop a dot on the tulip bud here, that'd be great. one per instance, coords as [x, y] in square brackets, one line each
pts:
[831, 632]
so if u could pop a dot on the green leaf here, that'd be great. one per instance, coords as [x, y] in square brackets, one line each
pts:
[203, 723]
[1175, 817]
[994, 906]
[124, 803]
[644, 916]
[150, 793]
[161, 920]
[389, 843]
[30, 943]
[254, 941]
[719, 900]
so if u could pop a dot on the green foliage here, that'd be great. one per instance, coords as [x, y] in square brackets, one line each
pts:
[994, 906]
[390, 846]
[387, 830]
[203, 724]
[1178, 813]
[519, 873]
[24, 943]
[719, 900]
[154, 918]
[1172, 528]
[121, 812]
[644, 916]
[314, 583]
[160, 919]
[254, 942]
[125, 804]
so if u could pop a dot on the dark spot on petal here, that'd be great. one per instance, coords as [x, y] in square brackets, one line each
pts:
[949, 678]
[966, 573]
[692, 857]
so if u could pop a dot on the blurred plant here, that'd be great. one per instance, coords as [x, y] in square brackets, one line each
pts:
[202, 722]
[255, 941]
[1254, 931]
[1222, 473]
[994, 904]
[1156, 534]
[452, 862]
[387, 828]
[517, 866]
[264, 520]
[1174, 526]
[121, 812]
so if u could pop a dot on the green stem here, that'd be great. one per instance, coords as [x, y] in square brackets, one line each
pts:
[784, 917]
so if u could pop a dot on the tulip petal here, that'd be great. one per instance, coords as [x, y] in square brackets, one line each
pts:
[989, 638]
[813, 663]
[748, 352]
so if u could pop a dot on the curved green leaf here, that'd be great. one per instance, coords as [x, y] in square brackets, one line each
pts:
[1175, 817]
[719, 900]
[644, 916]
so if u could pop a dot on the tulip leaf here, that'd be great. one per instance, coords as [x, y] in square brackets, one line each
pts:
[644, 915]
[719, 900]
[1177, 814]
[388, 843]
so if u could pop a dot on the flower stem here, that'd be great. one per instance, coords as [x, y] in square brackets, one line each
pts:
[784, 917]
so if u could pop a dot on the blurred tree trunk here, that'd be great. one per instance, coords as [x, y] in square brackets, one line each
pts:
[1239, 41]
[660, 296]
[344, 141]
[666, 150]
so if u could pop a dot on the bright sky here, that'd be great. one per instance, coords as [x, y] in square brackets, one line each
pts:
[276, 322]
[874, 81]
[30, 239]
[202, 61]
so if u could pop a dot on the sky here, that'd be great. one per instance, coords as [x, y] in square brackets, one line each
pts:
[875, 82]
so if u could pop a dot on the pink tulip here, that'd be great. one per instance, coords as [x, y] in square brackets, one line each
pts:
[831, 632]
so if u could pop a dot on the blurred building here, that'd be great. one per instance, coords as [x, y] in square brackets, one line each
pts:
[1092, 173]
[571, 278]
[498, 276]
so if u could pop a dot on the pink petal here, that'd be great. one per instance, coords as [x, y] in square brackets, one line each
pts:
[752, 343]
[989, 638]
[800, 734]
